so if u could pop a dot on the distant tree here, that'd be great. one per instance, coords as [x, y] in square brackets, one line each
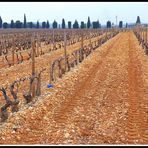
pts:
[43, 24]
[47, 24]
[30, 24]
[88, 23]
[63, 23]
[18, 24]
[108, 24]
[37, 24]
[98, 24]
[69, 24]
[12, 25]
[55, 24]
[82, 25]
[95, 24]
[76, 25]
[85, 26]
[25, 25]
[34, 25]
[1, 22]
[138, 20]
[126, 26]
[120, 24]
[112, 25]
[5, 25]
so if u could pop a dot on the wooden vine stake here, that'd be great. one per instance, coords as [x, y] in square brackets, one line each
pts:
[82, 40]
[65, 53]
[13, 49]
[53, 39]
[106, 32]
[33, 66]
[38, 46]
[81, 47]
[146, 40]
[143, 34]
[90, 38]
[146, 36]
[140, 32]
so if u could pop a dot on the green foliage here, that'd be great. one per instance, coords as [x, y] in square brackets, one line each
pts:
[96, 24]
[76, 25]
[69, 24]
[18, 24]
[55, 24]
[88, 23]
[12, 25]
[5, 25]
[37, 24]
[82, 25]
[120, 24]
[63, 23]
[47, 24]
[108, 24]
[43, 24]
[1, 22]
[25, 25]
[30, 24]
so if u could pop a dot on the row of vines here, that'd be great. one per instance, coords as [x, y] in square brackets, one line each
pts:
[23, 90]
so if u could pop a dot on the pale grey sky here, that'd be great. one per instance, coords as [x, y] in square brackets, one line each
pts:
[104, 11]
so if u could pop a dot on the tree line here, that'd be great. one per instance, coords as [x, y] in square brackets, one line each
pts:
[45, 24]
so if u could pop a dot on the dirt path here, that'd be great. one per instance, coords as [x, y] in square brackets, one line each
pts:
[138, 103]
[102, 101]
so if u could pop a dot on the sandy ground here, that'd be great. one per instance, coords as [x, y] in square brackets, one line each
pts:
[102, 101]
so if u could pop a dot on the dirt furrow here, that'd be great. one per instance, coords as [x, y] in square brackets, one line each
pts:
[81, 88]
[136, 122]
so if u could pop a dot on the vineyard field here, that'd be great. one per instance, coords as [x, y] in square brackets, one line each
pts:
[99, 80]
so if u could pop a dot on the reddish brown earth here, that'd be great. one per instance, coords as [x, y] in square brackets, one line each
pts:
[102, 101]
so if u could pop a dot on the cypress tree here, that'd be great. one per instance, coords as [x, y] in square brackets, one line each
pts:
[138, 20]
[12, 24]
[1, 22]
[30, 24]
[43, 24]
[25, 25]
[82, 25]
[5, 25]
[126, 25]
[18, 24]
[120, 24]
[76, 25]
[69, 24]
[37, 24]
[88, 23]
[47, 24]
[63, 23]
[108, 24]
[55, 24]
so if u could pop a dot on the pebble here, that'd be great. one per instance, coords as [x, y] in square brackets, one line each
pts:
[67, 135]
